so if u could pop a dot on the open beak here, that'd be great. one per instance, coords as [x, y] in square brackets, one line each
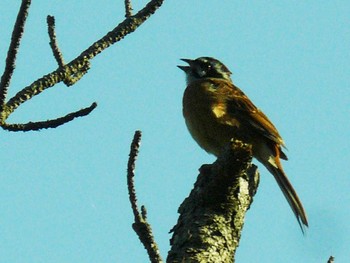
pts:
[186, 68]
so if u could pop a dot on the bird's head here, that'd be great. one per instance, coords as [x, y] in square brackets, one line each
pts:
[205, 67]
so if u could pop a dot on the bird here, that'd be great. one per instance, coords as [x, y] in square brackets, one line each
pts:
[216, 111]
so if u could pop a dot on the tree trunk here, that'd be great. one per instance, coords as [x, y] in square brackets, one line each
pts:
[212, 217]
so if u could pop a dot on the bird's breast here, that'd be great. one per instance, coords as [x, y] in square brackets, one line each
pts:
[206, 117]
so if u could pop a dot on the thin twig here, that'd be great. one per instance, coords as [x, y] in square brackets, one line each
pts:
[134, 150]
[128, 8]
[53, 41]
[34, 126]
[140, 226]
[12, 51]
[143, 212]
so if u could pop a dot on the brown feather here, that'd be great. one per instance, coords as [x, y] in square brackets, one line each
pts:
[241, 107]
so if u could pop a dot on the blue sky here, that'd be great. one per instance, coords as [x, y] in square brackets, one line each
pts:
[63, 191]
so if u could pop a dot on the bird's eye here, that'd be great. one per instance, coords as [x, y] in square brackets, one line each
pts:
[203, 69]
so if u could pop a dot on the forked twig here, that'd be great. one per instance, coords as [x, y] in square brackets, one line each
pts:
[58, 54]
[68, 73]
[140, 226]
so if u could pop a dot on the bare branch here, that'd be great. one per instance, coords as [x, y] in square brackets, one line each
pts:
[74, 70]
[128, 8]
[212, 217]
[134, 150]
[34, 126]
[12, 51]
[53, 41]
[140, 226]
[38, 86]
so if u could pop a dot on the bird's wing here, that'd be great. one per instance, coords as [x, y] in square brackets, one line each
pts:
[239, 106]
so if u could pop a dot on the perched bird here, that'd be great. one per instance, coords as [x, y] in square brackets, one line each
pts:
[216, 111]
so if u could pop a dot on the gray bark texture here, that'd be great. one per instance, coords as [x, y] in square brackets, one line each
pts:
[212, 216]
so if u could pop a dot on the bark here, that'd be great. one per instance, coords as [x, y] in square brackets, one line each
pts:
[212, 217]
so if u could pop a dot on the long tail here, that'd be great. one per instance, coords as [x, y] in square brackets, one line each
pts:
[275, 167]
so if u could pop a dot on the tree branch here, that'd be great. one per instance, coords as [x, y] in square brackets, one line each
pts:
[211, 218]
[79, 64]
[141, 226]
[17, 34]
[58, 54]
[75, 69]
[35, 126]
[53, 41]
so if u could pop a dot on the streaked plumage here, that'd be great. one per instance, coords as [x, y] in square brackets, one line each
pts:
[216, 111]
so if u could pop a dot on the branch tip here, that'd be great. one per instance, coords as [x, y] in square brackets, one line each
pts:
[144, 212]
[128, 8]
[53, 41]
